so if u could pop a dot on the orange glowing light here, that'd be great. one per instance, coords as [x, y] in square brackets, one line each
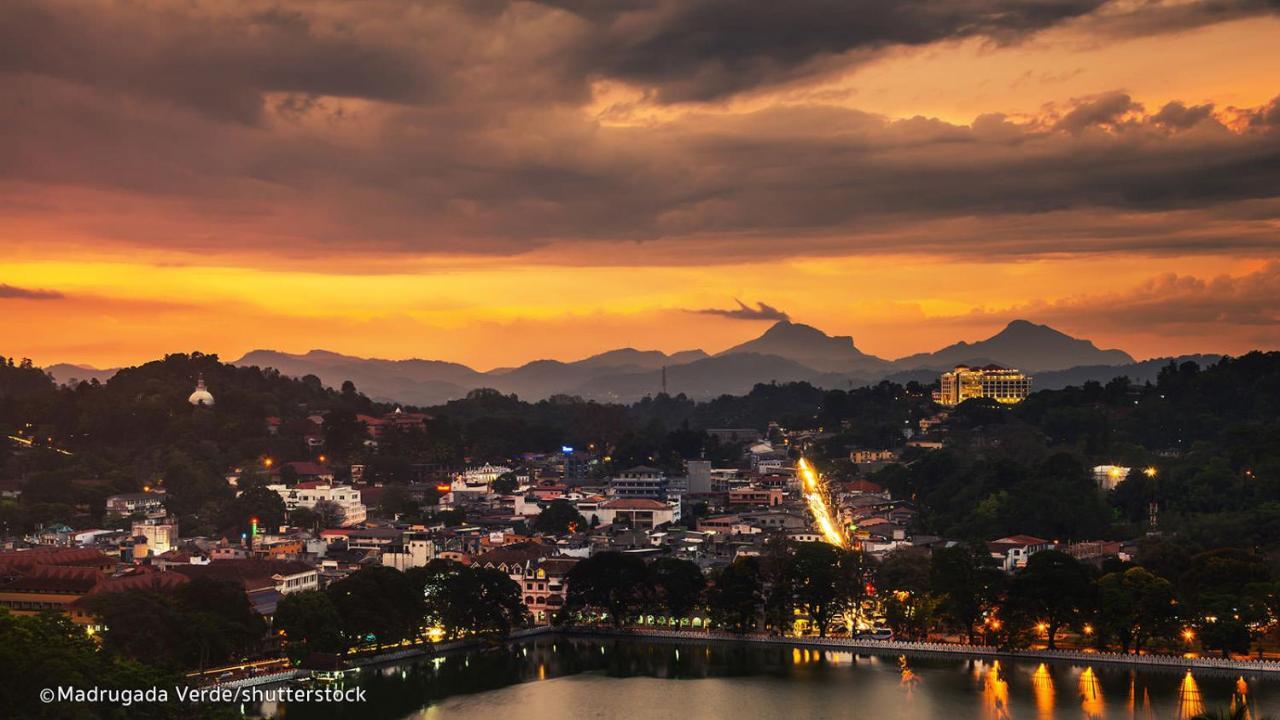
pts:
[267, 462]
[442, 488]
[813, 494]
[1088, 629]
[1188, 635]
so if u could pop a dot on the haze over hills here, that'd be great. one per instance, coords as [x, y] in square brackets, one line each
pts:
[1023, 345]
[786, 352]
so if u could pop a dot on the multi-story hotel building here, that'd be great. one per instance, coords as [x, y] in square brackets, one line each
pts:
[1004, 385]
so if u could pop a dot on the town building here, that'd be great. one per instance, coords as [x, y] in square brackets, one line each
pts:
[141, 503]
[161, 535]
[307, 494]
[640, 513]
[1011, 553]
[639, 482]
[1004, 385]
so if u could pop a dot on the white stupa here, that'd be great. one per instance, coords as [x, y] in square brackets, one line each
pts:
[201, 396]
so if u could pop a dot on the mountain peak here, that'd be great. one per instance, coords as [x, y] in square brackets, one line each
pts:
[1024, 345]
[808, 346]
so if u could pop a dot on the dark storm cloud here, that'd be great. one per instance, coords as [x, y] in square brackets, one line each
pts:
[705, 49]
[457, 127]
[744, 311]
[9, 292]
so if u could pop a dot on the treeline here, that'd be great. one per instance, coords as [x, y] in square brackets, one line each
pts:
[1221, 600]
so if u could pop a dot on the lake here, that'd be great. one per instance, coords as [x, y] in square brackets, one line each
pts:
[626, 679]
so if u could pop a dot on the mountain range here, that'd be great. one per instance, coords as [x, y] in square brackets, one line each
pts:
[786, 352]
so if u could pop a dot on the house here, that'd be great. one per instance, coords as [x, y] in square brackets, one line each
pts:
[640, 513]
[544, 586]
[1012, 552]
[767, 497]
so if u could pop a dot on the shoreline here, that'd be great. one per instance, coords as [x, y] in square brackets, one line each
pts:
[869, 647]
[954, 650]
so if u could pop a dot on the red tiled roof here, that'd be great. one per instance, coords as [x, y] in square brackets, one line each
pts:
[56, 578]
[252, 574]
[634, 504]
[22, 560]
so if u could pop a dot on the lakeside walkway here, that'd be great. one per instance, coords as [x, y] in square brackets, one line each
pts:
[897, 647]
[864, 646]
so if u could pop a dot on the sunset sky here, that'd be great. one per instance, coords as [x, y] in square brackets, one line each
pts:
[492, 182]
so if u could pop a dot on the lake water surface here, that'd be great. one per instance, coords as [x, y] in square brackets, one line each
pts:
[624, 679]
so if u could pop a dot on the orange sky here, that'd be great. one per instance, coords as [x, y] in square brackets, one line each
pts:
[212, 178]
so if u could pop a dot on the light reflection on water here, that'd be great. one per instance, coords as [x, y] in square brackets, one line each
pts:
[624, 679]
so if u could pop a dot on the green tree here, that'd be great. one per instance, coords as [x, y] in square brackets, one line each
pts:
[736, 597]
[1054, 589]
[463, 601]
[902, 582]
[505, 484]
[826, 581]
[558, 518]
[377, 604]
[1135, 607]
[309, 622]
[256, 502]
[610, 581]
[679, 585]
[967, 583]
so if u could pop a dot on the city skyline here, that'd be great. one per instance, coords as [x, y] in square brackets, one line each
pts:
[520, 181]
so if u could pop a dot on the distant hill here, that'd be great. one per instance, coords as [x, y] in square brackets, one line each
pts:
[731, 374]
[433, 382]
[66, 373]
[811, 347]
[1139, 372]
[1021, 344]
[785, 352]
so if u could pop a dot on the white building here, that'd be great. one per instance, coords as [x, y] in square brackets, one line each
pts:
[479, 477]
[640, 513]
[161, 536]
[307, 494]
[415, 552]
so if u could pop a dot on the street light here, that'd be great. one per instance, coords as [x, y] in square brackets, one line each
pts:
[1150, 472]
[1188, 635]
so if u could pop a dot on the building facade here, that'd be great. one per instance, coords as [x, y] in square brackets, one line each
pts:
[1004, 385]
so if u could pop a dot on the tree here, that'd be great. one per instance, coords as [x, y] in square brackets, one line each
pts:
[48, 650]
[902, 582]
[200, 623]
[558, 518]
[736, 596]
[309, 623]
[679, 585]
[1053, 589]
[1135, 606]
[505, 484]
[967, 582]
[343, 433]
[825, 581]
[256, 502]
[328, 513]
[462, 600]
[610, 581]
[377, 604]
